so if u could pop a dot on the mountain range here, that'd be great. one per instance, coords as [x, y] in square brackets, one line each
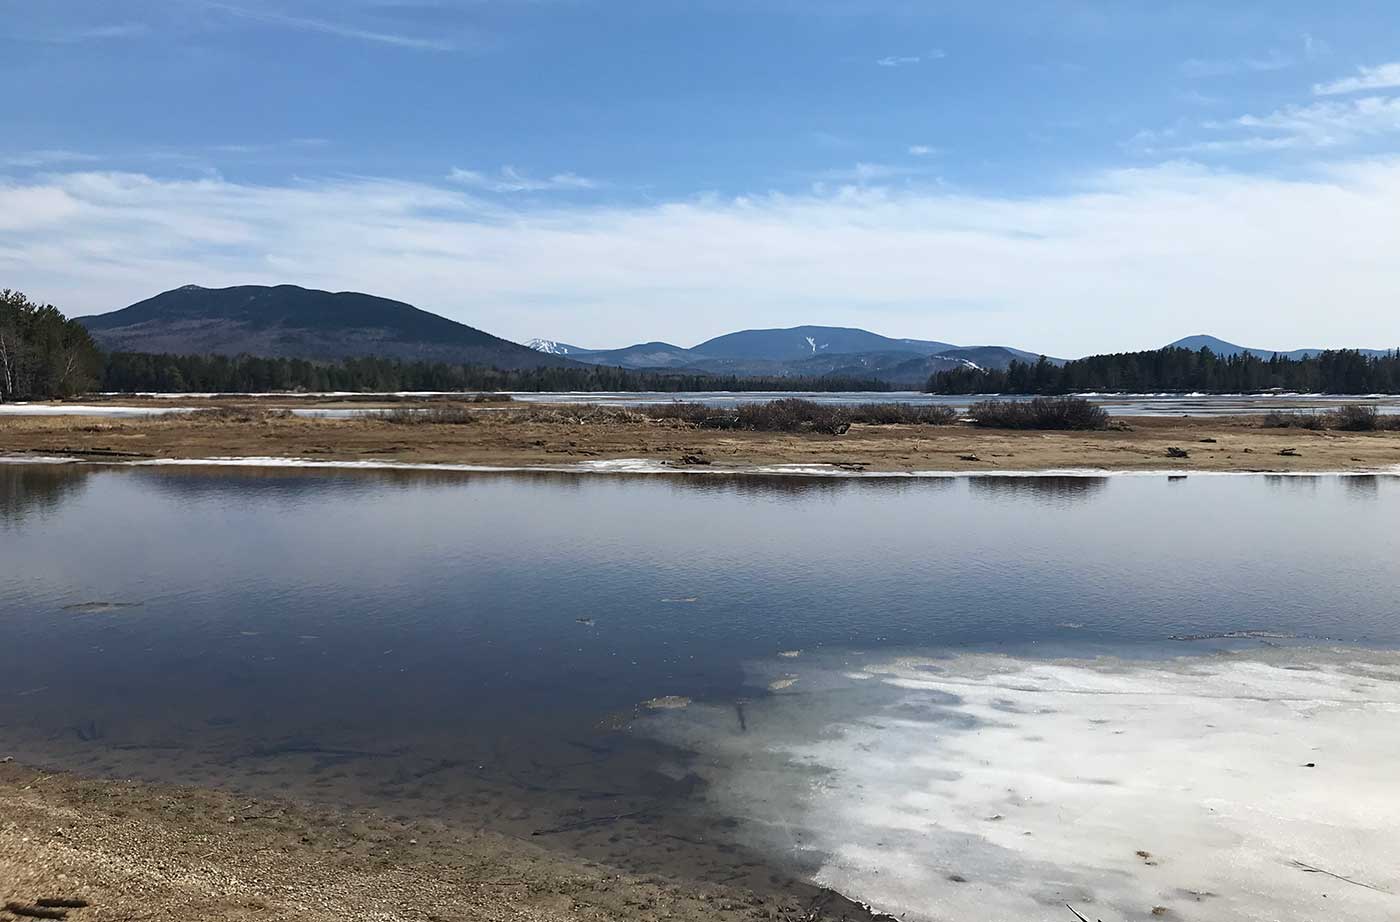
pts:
[1222, 348]
[292, 322]
[805, 351]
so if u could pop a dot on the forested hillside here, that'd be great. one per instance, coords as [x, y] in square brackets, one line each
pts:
[1343, 371]
[131, 371]
[42, 353]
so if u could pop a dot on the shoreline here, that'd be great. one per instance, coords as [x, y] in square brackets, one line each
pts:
[133, 849]
[644, 467]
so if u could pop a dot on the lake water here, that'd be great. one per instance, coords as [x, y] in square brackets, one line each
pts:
[1117, 404]
[742, 677]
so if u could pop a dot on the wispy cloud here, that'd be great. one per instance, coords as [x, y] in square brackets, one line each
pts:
[38, 158]
[509, 179]
[1383, 76]
[866, 174]
[337, 29]
[1198, 67]
[112, 31]
[1326, 124]
[920, 150]
[895, 60]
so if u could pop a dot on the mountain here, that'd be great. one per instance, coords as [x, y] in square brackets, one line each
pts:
[796, 343]
[550, 347]
[806, 351]
[292, 322]
[642, 355]
[992, 356]
[1222, 348]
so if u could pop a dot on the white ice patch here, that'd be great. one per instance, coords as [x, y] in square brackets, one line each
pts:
[990, 788]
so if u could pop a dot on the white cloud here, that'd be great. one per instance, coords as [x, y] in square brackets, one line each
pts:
[1132, 258]
[1380, 77]
[920, 150]
[509, 179]
[328, 27]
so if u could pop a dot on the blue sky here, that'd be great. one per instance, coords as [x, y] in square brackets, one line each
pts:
[1062, 176]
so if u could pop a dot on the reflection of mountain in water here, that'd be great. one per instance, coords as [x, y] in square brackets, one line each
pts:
[1055, 491]
[27, 489]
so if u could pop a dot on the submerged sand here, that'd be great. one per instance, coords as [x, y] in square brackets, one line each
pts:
[140, 851]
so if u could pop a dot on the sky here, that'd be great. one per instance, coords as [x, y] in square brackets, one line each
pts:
[1064, 176]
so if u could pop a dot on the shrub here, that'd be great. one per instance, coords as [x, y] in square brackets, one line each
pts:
[1355, 417]
[407, 416]
[793, 414]
[573, 414]
[1039, 413]
[902, 414]
[230, 415]
[1292, 419]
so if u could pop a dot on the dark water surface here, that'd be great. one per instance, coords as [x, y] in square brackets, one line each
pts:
[478, 643]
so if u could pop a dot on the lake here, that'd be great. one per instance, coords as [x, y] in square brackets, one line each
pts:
[746, 677]
[1117, 404]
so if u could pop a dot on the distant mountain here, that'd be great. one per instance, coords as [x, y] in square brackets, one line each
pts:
[1222, 348]
[292, 322]
[642, 355]
[550, 347]
[805, 351]
[796, 343]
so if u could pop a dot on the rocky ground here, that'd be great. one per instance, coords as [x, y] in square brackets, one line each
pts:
[130, 851]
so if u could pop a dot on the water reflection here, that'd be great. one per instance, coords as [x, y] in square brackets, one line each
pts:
[36, 489]
[1365, 488]
[1053, 491]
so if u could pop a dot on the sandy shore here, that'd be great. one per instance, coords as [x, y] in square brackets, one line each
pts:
[137, 851]
[509, 437]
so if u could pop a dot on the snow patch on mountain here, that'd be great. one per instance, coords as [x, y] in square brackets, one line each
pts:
[548, 346]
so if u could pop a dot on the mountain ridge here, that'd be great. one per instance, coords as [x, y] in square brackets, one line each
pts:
[1228, 349]
[288, 321]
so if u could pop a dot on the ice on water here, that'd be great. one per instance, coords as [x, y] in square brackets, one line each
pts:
[996, 788]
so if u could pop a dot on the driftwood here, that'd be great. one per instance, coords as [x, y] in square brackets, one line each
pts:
[26, 911]
[1309, 869]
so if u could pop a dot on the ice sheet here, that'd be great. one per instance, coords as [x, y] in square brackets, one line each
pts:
[992, 788]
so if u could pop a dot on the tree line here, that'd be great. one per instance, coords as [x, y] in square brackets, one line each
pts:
[43, 353]
[1340, 371]
[137, 371]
